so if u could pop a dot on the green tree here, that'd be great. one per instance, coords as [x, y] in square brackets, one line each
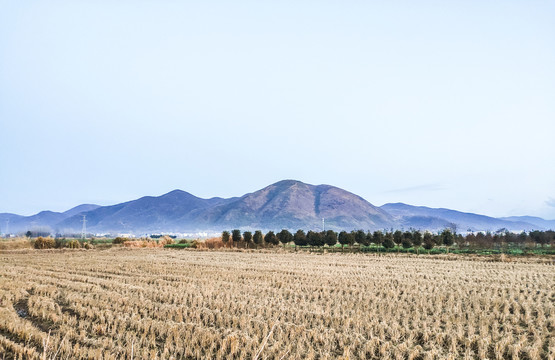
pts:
[388, 242]
[299, 238]
[539, 237]
[330, 238]
[28, 233]
[377, 238]
[550, 237]
[417, 240]
[428, 241]
[398, 238]
[314, 238]
[285, 237]
[225, 237]
[369, 238]
[360, 238]
[346, 238]
[438, 239]
[448, 238]
[247, 236]
[258, 238]
[407, 240]
[271, 238]
[522, 238]
[236, 236]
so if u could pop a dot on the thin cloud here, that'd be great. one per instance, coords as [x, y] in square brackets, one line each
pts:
[550, 202]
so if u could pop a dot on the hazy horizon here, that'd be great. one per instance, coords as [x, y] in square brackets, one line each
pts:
[433, 104]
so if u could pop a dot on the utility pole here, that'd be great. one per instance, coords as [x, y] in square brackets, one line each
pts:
[8, 228]
[84, 230]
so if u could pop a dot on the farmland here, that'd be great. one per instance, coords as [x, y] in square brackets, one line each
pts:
[160, 304]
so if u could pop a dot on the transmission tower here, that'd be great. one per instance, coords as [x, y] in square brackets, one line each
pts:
[84, 230]
[8, 228]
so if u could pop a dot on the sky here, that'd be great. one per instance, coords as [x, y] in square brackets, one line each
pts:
[435, 103]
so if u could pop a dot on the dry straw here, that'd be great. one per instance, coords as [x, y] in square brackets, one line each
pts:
[164, 304]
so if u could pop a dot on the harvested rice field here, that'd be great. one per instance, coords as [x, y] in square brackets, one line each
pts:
[190, 304]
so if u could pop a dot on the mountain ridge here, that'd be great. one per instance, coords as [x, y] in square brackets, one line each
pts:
[412, 216]
[290, 204]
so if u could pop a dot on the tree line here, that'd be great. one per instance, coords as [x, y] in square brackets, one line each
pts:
[411, 239]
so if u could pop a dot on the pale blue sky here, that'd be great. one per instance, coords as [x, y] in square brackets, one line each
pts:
[437, 103]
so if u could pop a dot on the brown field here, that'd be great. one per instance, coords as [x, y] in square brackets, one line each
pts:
[162, 304]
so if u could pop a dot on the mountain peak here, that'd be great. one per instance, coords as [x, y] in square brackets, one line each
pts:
[288, 183]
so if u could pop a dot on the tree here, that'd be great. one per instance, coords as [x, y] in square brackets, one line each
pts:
[539, 237]
[346, 238]
[247, 236]
[299, 238]
[360, 238]
[398, 238]
[522, 238]
[448, 238]
[369, 238]
[438, 239]
[417, 240]
[258, 238]
[428, 242]
[388, 242]
[285, 237]
[119, 240]
[271, 238]
[225, 237]
[330, 238]
[236, 236]
[550, 236]
[28, 233]
[407, 240]
[342, 238]
[377, 238]
[481, 240]
[315, 238]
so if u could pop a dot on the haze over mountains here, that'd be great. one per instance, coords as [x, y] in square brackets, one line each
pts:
[286, 204]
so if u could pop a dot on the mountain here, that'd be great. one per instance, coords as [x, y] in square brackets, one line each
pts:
[422, 217]
[536, 221]
[173, 211]
[293, 204]
[79, 209]
[287, 204]
[44, 220]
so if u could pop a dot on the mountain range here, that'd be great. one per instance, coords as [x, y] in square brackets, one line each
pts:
[287, 204]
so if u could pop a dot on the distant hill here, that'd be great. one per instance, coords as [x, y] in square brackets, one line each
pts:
[174, 211]
[422, 217]
[80, 209]
[540, 223]
[287, 204]
[293, 204]
[44, 220]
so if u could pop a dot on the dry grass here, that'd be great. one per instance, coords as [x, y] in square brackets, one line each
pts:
[15, 243]
[162, 304]
[212, 243]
